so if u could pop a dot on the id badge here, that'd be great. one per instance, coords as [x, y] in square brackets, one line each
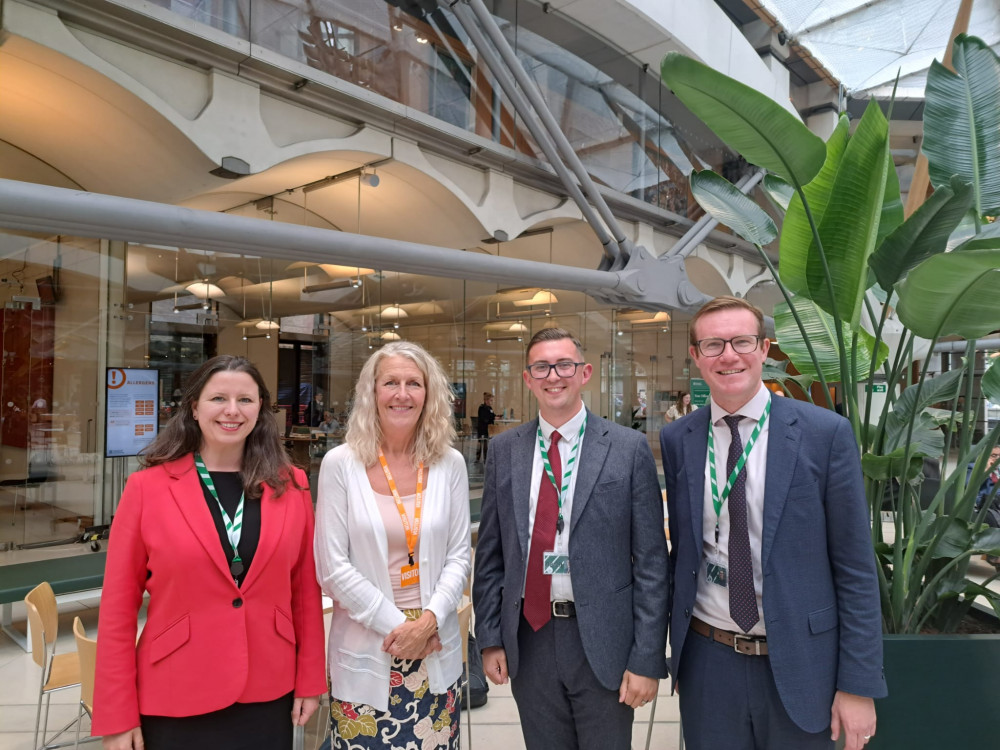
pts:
[555, 563]
[717, 574]
[409, 575]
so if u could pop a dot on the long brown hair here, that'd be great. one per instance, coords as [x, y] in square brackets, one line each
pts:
[682, 408]
[264, 458]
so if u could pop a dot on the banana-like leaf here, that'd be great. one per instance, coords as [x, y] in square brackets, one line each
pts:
[756, 126]
[924, 234]
[990, 383]
[848, 228]
[891, 466]
[822, 335]
[926, 438]
[943, 417]
[910, 405]
[962, 121]
[987, 238]
[778, 370]
[724, 201]
[952, 294]
[779, 191]
[892, 203]
[796, 231]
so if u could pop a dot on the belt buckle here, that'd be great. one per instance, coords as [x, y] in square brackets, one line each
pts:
[561, 608]
[737, 637]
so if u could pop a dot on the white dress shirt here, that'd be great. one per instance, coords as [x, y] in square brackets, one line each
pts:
[712, 601]
[562, 586]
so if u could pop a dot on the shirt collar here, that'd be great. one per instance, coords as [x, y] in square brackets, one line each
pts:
[752, 409]
[569, 431]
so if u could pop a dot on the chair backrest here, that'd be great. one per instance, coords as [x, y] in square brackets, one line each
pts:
[39, 651]
[86, 648]
[44, 600]
[464, 620]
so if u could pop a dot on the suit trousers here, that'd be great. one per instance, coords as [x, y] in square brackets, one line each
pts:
[560, 701]
[729, 701]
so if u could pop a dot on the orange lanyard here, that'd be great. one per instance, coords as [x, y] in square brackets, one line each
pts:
[412, 534]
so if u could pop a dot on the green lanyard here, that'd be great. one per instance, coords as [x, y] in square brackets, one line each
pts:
[567, 470]
[234, 527]
[719, 500]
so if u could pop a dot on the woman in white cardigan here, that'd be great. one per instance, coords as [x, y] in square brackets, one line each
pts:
[392, 550]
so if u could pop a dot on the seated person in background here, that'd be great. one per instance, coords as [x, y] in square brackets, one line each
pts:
[987, 493]
[329, 423]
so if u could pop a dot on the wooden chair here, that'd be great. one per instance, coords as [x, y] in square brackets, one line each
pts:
[86, 649]
[59, 671]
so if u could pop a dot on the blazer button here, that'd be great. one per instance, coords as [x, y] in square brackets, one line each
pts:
[694, 573]
[687, 612]
[237, 603]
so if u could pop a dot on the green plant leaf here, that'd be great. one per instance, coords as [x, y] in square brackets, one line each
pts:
[955, 537]
[962, 121]
[724, 201]
[988, 238]
[944, 387]
[779, 191]
[778, 370]
[892, 204]
[820, 329]
[990, 383]
[924, 234]
[926, 437]
[849, 227]
[891, 466]
[756, 126]
[952, 294]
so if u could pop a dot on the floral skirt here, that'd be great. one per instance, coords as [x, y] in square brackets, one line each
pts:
[417, 719]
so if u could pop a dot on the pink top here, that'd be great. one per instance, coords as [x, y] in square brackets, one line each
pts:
[409, 597]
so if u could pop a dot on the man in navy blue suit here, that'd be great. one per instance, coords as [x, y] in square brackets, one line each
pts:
[775, 626]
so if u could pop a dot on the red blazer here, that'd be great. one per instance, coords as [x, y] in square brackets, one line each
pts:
[207, 643]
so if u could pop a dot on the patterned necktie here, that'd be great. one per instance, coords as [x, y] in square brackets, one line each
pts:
[537, 585]
[742, 598]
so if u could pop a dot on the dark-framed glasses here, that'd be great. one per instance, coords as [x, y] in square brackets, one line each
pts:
[541, 370]
[715, 347]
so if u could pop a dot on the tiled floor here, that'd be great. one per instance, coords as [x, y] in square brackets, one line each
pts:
[494, 726]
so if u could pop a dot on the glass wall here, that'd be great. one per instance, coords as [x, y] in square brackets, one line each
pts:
[629, 131]
[71, 308]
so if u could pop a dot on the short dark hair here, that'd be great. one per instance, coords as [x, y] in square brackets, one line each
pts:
[264, 457]
[487, 395]
[725, 303]
[552, 334]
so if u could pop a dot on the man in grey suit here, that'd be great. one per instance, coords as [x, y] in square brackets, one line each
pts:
[570, 588]
[776, 638]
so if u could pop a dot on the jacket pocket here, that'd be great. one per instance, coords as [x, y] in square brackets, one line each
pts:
[283, 625]
[170, 639]
[823, 619]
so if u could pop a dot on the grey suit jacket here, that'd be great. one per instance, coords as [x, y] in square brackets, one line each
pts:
[617, 549]
[821, 602]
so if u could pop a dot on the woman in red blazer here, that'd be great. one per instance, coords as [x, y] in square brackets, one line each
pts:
[218, 530]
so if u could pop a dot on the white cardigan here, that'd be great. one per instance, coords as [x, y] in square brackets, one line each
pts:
[352, 565]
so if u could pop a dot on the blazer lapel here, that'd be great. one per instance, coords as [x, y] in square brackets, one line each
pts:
[522, 458]
[695, 456]
[783, 442]
[185, 487]
[273, 512]
[592, 454]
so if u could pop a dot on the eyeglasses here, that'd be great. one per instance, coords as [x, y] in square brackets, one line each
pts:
[541, 370]
[715, 347]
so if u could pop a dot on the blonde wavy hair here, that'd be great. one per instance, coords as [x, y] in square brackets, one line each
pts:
[435, 431]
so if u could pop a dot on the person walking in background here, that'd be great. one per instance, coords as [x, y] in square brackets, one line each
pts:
[775, 629]
[570, 590]
[483, 421]
[217, 529]
[680, 408]
[392, 550]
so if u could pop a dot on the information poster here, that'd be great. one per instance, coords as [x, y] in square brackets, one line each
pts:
[131, 400]
[699, 392]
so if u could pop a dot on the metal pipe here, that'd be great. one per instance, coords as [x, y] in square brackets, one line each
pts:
[959, 346]
[535, 97]
[50, 210]
[699, 230]
[537, 129]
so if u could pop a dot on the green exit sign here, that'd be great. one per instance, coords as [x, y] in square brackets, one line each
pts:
[877, 388]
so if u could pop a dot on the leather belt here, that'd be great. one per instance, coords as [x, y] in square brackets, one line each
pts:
[563, 608]
[749, 645]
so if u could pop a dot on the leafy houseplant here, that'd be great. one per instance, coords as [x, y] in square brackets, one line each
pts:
[867, 294]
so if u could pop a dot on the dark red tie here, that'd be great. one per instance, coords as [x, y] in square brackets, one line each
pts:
[537, 585]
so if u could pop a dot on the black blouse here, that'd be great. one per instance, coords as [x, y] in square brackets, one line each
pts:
[230, 487]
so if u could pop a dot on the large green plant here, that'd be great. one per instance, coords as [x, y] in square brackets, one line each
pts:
[867, 294]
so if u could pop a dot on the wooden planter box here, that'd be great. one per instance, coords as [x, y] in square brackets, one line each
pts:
[944, 692]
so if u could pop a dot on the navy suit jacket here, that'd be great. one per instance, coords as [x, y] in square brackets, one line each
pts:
[820, 598]
[617, 549]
